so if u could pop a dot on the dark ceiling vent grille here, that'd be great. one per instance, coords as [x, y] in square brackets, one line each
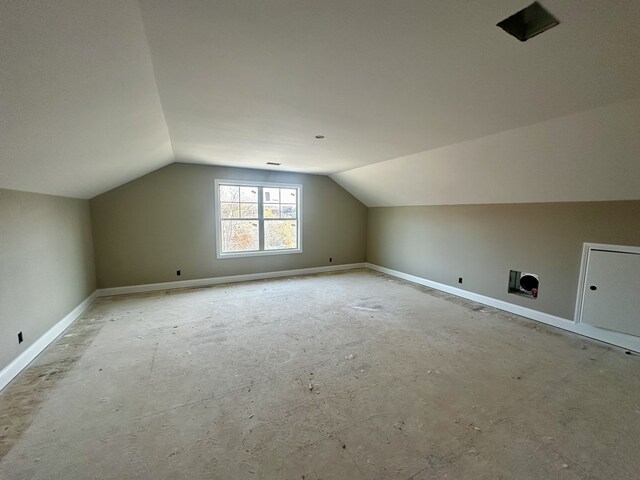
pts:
[529, 22]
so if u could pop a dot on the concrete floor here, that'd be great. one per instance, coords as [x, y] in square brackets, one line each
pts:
[342, 376]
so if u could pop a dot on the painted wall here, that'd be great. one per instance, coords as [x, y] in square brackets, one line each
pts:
[481, 243]
[147, 229]
[46, 261]
[588, 156]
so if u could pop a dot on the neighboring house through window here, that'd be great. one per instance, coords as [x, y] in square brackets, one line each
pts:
[254, 218]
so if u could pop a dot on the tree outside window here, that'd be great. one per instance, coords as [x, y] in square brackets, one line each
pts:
[257, 218]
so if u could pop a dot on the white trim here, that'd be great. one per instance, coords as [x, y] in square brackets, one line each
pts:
[262, 252]
[25, 358]
[584, 267]
[9, 372]
[628, 342]
[584, 262]
[204, 282]
[613, 248]
[258, 253]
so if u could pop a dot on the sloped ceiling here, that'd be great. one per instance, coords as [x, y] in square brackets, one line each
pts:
[241, 83]
[586, 156]
[79, 106]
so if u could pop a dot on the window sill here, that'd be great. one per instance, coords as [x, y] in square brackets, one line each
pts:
[263, 253]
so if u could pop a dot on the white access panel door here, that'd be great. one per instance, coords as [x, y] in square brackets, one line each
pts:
[612, 291]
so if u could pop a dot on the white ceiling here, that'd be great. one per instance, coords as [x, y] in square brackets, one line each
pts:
[80, 112]
[87, 85]
[586, 156]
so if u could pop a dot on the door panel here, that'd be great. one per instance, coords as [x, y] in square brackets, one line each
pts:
[612, 291]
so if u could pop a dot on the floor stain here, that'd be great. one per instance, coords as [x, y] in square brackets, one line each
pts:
[22, 398]
[239, 382]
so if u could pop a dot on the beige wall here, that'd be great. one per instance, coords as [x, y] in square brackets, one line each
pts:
[147, 229]
[481, 243]
[46, 260]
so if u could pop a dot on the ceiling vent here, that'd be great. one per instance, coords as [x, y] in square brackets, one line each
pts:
[529, 22]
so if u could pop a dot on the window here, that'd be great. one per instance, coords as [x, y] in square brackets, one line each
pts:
[257, 218]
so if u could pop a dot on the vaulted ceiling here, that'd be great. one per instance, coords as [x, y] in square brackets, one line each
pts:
[95, 93]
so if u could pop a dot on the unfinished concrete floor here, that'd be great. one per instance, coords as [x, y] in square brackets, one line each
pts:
[352, 375]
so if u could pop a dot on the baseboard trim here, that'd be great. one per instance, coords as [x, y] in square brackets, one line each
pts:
[617, 339]
[9, 372]
[25, 358]
[205, 282]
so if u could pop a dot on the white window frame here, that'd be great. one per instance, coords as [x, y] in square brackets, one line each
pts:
[255, 253]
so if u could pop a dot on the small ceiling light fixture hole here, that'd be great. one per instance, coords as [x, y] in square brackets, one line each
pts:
[319, 137]
[274, 163]
[528, 22]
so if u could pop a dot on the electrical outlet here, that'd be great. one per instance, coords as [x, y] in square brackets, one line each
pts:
[330, 259]
[459, 279]
[20, 337]
[178, 273]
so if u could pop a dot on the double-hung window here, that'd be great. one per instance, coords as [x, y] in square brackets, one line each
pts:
[254, 218]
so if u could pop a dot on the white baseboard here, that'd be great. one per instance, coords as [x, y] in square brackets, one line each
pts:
[204, 282]
[9, 372]
[17, 365]
[25, 358]
[628, 342]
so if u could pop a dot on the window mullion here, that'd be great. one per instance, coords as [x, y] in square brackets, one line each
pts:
[260, 220]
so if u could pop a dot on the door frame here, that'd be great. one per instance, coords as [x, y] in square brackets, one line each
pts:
[584, 265]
